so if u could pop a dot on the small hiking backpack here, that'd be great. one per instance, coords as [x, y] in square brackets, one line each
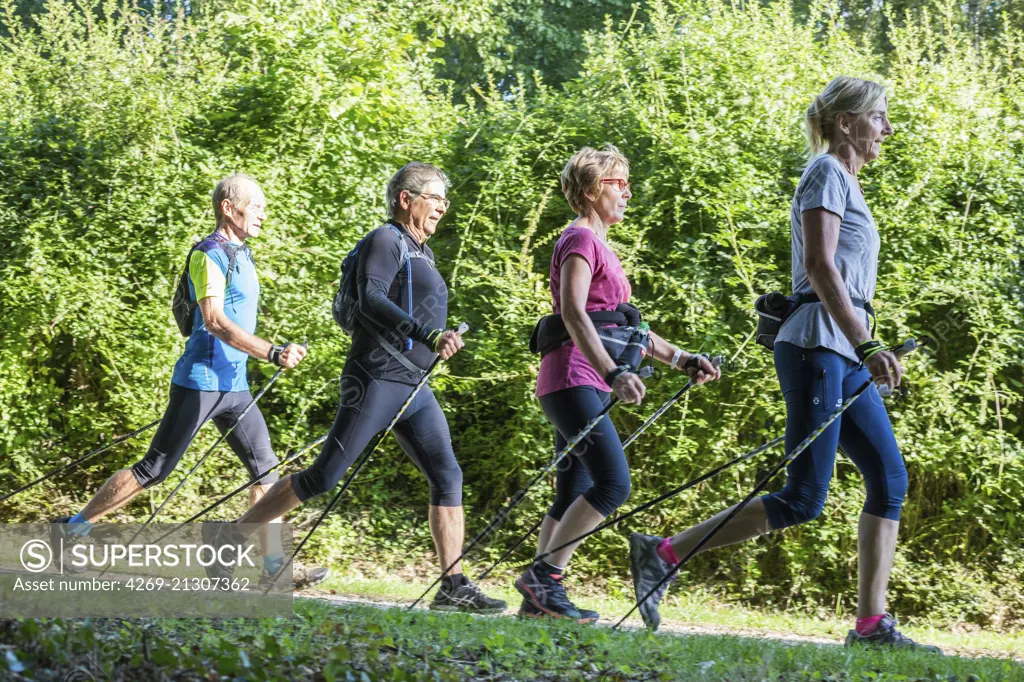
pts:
[183, 306]
[345, 308]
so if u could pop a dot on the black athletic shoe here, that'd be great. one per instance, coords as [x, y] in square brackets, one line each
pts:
[218, 534]
[61, 536]
[887, 635]
[465, 597]
[308, 576]
[545, 592]
[528, 610]
[648, 569]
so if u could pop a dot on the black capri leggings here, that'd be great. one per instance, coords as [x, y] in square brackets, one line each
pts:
[367, 406]
[597, 467]
[187, 410]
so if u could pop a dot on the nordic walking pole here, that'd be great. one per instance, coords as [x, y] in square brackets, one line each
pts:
[903, 349]
[521, 495]
[245, 486]
[202, 459]
[224, 435]
[363, 457]
[717, 361]
[74, 463]
[761, 485]
[508, 552]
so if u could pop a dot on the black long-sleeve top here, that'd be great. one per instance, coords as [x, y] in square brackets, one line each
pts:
[384, 295]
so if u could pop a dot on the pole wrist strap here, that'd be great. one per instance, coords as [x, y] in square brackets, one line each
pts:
[867, 349]
[616, 373]
[274, 356]
[433, 337]
[693, 362]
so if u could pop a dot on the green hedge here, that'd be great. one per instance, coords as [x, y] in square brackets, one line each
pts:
[116, 125]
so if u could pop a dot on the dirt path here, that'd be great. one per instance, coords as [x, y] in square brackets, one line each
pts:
[674, 628]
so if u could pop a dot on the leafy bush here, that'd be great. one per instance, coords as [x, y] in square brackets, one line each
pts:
[118, 124]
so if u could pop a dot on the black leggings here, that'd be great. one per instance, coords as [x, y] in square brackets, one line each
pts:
[367, 406]
[187, 410]
[597, 467]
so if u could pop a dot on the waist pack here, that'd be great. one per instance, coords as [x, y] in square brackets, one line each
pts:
[183, 306]
[774, 308]
[626, 341]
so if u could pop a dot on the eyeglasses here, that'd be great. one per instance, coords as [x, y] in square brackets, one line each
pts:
[436, 198]
[620, 184]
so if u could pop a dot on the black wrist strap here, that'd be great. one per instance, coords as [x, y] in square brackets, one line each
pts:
[616, 373]
[275, 353]
[693, 362]
[867, 349]
[432, 338]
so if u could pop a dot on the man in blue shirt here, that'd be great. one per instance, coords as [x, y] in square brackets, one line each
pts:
[209, 379]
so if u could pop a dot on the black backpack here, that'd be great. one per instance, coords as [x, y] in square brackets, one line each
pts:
[183, 307]
[345, 308]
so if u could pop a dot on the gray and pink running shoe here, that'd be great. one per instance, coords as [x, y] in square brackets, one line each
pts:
[887, 635]
[648, 569]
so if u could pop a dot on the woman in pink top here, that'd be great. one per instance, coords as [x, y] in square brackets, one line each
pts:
[573, 385]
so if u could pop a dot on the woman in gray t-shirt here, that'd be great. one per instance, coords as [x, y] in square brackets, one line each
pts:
[823, 354]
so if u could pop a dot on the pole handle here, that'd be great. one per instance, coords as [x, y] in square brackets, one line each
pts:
[647, 371]
[909, 346]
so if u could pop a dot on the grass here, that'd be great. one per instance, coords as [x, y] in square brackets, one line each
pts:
[695, 608]
[327, 642]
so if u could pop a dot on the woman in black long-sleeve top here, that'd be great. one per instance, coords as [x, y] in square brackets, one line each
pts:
[403, 306]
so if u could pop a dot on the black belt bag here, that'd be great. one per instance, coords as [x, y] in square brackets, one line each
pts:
[626, 342]
[773, 309]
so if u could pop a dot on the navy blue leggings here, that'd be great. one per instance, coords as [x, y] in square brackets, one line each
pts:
[597, 467]
[814, 383]
[367, 406]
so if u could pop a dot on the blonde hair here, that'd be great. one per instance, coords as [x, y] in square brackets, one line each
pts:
[582, 175]
[844, 94]
[234, 188]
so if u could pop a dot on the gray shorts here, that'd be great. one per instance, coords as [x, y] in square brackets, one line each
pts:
[187, 410]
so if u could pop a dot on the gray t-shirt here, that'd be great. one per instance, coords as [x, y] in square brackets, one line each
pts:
[826, 184]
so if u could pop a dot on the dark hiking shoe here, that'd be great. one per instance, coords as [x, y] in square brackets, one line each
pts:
[528, 610]
[545, 592]
[219, 534]
[465, 597]
[61, 536]
[886, 634]
[308, 576]
[302, 576]
[648, 569]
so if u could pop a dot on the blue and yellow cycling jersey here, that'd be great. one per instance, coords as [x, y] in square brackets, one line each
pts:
[209, 364]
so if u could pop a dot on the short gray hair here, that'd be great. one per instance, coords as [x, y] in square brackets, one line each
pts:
[413, 177]
[844, 94]
[234, 188]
